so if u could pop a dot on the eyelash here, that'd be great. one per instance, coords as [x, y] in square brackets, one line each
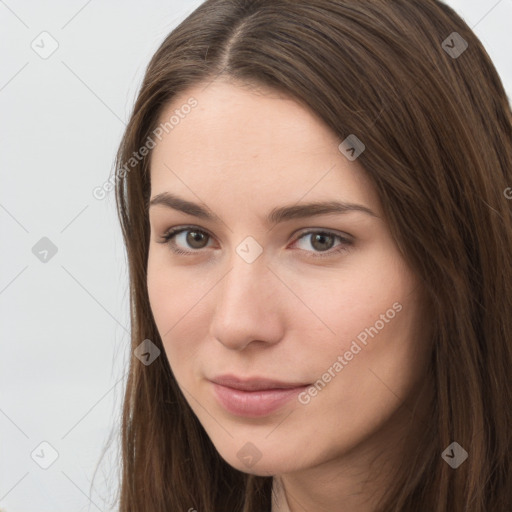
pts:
[167, 238]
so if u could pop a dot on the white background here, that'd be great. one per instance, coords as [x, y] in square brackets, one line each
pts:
[64, 323]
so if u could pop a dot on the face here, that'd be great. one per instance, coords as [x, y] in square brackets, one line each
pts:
[290, 328]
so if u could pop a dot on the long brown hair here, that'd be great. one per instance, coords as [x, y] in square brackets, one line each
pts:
[414, 83]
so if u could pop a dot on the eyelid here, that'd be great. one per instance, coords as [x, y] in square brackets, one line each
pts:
[296, 234]
[342, 234]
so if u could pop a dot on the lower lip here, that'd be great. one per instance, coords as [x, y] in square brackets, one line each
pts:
[254, 404]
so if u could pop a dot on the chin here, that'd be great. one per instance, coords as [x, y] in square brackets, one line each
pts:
[260, 465]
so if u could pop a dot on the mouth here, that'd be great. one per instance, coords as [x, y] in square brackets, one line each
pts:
[254, 397]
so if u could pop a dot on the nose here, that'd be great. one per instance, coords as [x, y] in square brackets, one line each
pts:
[247, 306]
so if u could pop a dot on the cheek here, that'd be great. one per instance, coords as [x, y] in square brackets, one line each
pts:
[373, 319]
[177, 301]
[357, 300]
[383, 361]
[171, 292]
[161, 292]
[383, 376]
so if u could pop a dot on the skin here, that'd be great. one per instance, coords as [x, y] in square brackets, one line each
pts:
[288, 315]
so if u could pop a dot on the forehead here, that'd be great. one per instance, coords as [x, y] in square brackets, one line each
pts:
[253, 143]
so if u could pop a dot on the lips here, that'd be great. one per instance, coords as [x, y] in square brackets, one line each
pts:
[254, 397]
[254, 384]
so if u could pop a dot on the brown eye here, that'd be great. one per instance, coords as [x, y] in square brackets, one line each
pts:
[182, 239]
[323, 242]
[195, 239]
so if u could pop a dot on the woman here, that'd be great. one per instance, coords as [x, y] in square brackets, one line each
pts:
[313, 197]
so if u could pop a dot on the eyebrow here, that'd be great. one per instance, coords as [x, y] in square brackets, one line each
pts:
[277, 215]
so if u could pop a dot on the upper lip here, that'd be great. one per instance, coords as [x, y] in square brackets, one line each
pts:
[254, 383]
